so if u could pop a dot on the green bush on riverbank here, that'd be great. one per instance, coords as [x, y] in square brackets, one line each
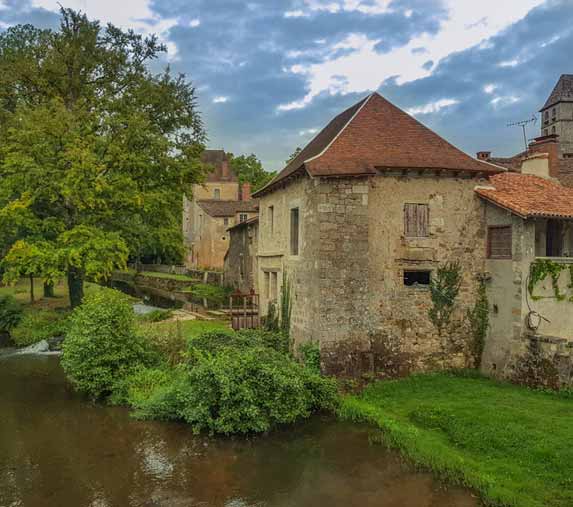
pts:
[218, 382]
[511, 444]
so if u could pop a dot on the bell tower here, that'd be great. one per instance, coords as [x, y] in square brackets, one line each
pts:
[557, 115]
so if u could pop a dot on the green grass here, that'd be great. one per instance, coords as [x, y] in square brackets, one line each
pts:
[169, 276]
[511, 444]
[193, 328]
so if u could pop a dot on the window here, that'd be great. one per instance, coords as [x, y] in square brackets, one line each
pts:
[553, 130]
[554, 113]
[416, 220]
[499, 242]
[546, 132]
[243, 217]
[274, 285]
[217, 193]
[226, 221]
[413, 278]
[271, 220]
[554, 238]
[294, 231]
[267, 277]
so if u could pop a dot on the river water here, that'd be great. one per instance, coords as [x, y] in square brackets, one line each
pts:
[57, 449]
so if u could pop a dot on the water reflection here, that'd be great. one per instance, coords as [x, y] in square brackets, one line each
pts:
[57, 449]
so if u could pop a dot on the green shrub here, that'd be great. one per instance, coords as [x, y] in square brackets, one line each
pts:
[238, 389]
[275, 340]
[10, 313]
[167, 341]
[156, 315]
[102, 346]
[309, 352]
[38, 325]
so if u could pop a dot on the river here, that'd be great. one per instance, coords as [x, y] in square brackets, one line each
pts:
[59, 450]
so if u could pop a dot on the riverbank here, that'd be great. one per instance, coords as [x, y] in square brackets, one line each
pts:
[510, 444]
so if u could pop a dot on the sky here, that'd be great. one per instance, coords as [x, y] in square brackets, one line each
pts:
[270, 74]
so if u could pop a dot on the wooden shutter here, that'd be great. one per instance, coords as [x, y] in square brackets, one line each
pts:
[499, 242]
[416, 220]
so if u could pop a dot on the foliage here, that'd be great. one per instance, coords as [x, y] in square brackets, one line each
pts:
[509, 443]
[444, 289]
[541, 269]
[156, 315]
[25, 259]
[10, 313]
[240, 390]
[38, 325]
[286, 305]
[215, 295]
[478, 318]
[309, 352]
[167, 342]
[102, 346]
[275, 340]
[293, 155]
[272, 321]
[248, 168]
[96, 150]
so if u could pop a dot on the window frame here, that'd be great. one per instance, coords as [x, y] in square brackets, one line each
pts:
[294, 237]
[417, 285]
[492, 228]
[217, 194]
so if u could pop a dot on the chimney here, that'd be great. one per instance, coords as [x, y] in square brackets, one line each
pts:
[225, 170]
[549, 145]
[246, 192]
[484, 155]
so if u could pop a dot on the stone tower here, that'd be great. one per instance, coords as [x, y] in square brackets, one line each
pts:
[557, 114]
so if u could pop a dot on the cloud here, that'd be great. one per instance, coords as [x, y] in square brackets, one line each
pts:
[307, 132]
[366, 69]
[220, 100]
[194, 23]
[432, 107]
[135, 14]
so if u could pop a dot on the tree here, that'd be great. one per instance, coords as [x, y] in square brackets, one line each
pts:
[96, 150]
[248, 168]
[293, 155]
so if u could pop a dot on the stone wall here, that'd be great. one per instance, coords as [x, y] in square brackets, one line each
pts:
[241, 259]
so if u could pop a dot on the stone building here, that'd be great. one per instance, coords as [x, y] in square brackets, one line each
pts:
[529, 218]
[359, 221]
[217, 204]
[241, 257]
[556, 137]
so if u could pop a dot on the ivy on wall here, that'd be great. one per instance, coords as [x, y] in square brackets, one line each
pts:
[444, 289]
[478, 317]
[540, 269]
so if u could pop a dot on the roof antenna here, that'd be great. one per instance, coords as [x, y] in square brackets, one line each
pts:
[523, 124]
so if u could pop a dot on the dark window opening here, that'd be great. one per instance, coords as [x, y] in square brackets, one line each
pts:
[294, 231]
[554, 239]
[226, 221]
[412, 278]
[499, 242]
[243, 217]
[217, 193]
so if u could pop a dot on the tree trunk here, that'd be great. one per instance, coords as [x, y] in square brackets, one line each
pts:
[49, 289]
[75, 287]
[32, 298]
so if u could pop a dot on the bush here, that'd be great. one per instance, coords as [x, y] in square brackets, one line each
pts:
[238, 389]
[38, 325]
[275, 340]
[168, 342]
[10, 313]
[156, 315]
[309, 352]
[102, 346]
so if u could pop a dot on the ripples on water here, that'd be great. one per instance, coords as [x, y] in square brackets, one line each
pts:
[59, 450]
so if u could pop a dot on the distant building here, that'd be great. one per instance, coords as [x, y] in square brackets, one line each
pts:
[217, 204]
[557, 114]
[241, 259]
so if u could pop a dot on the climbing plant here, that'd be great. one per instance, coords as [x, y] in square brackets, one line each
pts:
[478, 317]
[541, 269]
[444, 289]
[286, 305]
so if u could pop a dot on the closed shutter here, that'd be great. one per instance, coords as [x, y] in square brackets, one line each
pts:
[499, 242]
[416, 220]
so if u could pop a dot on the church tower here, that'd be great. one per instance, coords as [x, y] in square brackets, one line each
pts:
[557, 114]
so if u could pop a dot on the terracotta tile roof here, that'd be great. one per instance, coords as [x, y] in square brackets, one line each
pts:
[218, 208]
[529, 196]
[563, 91]
[375, 135]
[220, 169]
[510, 163]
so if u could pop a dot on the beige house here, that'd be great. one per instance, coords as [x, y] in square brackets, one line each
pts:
[359, 221]
[217, 204]
[241, 262]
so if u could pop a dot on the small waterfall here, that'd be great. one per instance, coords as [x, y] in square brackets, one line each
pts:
[40, 348]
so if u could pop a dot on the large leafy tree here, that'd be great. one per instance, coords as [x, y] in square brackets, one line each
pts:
[249, 168]
[96, 150]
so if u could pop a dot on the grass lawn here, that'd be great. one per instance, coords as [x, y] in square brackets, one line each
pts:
[193, 328]
[513, 445]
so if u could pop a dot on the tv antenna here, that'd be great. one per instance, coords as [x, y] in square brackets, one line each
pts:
[523, 124]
